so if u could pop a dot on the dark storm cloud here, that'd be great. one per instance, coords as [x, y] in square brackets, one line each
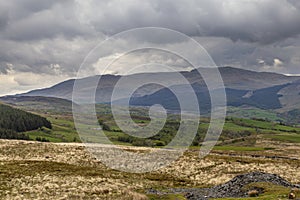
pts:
[35, 20]
[53, 37]
[262, 21]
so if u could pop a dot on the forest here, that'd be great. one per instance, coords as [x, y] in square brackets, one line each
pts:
[13, 122]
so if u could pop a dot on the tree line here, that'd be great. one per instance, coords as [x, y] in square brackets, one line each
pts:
[15, 121]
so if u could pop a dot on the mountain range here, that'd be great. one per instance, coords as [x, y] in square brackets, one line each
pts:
[263, 90]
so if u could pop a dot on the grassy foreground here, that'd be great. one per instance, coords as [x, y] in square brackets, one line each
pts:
[34, 170]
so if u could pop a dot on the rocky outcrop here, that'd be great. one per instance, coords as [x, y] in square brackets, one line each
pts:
[234, 187]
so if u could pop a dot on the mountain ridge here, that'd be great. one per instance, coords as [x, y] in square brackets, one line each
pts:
[242, 87]
[234, 78]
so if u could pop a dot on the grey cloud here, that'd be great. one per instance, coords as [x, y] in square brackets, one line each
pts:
[38, 56]
[35, 20]
[4, 68]
[247, 55]
[15, 10]
[36, 35]
[262, 21]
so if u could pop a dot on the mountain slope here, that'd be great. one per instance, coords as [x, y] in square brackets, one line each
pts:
[39, 104]
[61, 90]
[290, 96]
[234, 78]
[266, 98]
[262, 90]
[250, 80]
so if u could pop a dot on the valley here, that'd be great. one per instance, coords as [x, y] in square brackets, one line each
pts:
[49, 160]
[150, 100]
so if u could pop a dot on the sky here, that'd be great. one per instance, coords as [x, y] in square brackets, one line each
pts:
[45, 42]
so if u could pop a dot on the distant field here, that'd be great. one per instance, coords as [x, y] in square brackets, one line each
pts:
[295, 138]
[64, 130]
[239, 148]
[235, 129]
[253, 112]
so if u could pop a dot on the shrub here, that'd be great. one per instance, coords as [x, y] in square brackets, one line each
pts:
[41, 139]
[160, 143]
[125, 138]
[142, 142]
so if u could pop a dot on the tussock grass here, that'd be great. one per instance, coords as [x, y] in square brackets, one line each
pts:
[33, 170]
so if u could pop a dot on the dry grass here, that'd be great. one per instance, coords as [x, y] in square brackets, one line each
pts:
[31, 170]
